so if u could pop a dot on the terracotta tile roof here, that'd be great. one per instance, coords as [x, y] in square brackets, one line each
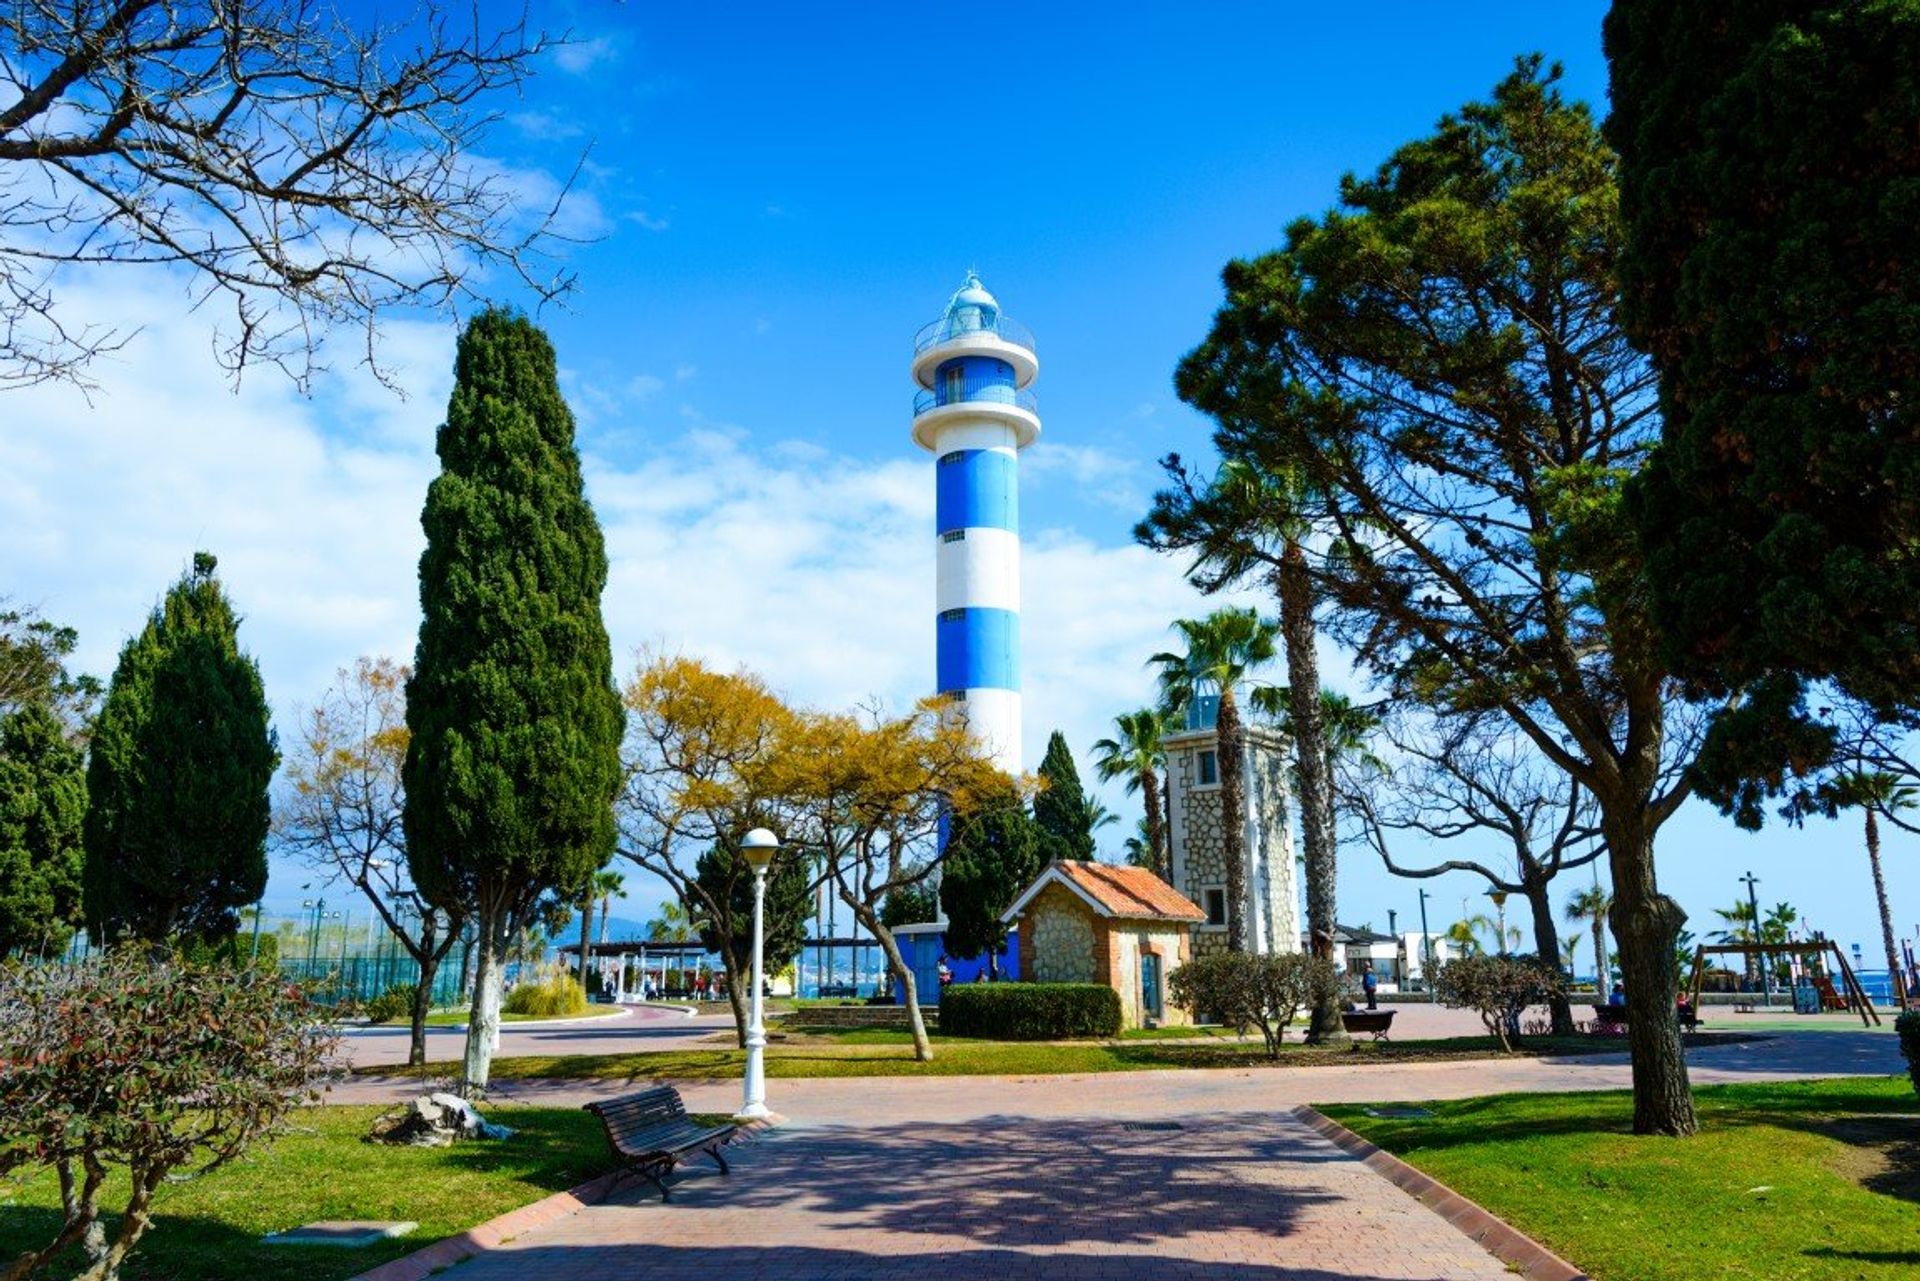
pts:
[1131, 892]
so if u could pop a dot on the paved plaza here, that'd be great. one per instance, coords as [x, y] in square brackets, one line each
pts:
[1003, 1197]
[1175, 1174]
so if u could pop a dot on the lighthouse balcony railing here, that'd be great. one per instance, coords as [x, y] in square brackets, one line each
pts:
[990, 393]
[967, 322]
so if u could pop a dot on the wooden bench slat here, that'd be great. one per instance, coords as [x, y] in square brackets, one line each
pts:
[650, 1131]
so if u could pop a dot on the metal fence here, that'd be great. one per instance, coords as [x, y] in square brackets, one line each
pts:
[337, 980]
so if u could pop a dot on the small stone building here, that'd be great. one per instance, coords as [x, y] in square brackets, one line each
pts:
[1099, 923]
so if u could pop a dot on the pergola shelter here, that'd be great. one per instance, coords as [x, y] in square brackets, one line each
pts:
[640, 959]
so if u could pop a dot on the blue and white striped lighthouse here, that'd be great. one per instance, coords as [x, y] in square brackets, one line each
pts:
[974, 414]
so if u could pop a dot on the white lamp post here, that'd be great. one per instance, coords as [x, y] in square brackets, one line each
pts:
[758, 847]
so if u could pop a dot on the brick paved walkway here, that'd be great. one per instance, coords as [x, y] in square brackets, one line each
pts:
[1235, 1197]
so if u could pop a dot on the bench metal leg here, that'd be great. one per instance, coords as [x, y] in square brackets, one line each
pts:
[718, 1160]
[652, 1174]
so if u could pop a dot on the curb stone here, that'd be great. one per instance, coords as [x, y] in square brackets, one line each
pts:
[1496, 1236]
[444, 1253]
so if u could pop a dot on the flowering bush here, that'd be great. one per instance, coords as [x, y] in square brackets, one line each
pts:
[1498, 988]
[167, 1069]
[1243, 990]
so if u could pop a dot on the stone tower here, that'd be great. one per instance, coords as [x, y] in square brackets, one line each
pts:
[1195, 833]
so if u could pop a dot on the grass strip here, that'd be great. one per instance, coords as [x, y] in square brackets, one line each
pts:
[1788, 1181]
[210, 1230]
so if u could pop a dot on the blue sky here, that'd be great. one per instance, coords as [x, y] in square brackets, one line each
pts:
[776, 197]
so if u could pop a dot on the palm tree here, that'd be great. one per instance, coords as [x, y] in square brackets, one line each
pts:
[1281, 504]
[1465, 935]
[600, 888]
[1592, 905]
[610, 884]
[1222, 649]
[1876, 792]
[1740, 928]
[1139, 848]
[1136, 754]
[1569, 951]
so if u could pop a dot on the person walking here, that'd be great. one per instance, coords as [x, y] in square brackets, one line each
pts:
[1370, 984]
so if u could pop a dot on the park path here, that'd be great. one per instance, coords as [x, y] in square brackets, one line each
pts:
[1236, 1197]
[1132, 1175]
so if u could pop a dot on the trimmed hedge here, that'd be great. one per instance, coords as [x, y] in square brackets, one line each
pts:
[1908, 1028]
[1029, 1011]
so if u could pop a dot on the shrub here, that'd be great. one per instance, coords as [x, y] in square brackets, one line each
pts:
[395, 1002]
[1908, 1028]
[1243, 990]
[1029, 1011]
[163, 1069]
[556, 996]
[1498, 988]
[231, 949]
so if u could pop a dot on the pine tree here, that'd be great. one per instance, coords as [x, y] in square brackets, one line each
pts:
[992, 855]
[182, 755]
[43, 803]
[1061, 810]
[515, 726]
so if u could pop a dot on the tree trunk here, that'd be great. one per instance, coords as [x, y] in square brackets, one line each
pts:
[1895, 987]
[739, 993]
[586, 940]
[1600, 953]
[1233, 816]
[1295, 590]
[1156, 830]
[1546, 940]
[1647, 923]
[483, 1020]
[422, 1005]
[902, 974]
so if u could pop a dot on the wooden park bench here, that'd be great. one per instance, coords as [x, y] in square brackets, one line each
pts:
[1609, 1018]
[650, 1132]
[1375, 1022]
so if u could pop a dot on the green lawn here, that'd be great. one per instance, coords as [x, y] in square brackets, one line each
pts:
[885, 1052]
[209, 1230]
[1801, 1181]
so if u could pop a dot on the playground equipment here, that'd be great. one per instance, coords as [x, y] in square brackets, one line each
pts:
[1854, 998]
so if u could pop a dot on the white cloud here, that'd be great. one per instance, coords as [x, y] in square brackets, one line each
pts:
[809, 566]
[544, 126]
[645, 221]
[578, 57]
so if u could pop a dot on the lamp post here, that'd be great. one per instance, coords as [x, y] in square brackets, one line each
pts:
[758, 847]
[1426, 946]
[1753, 901]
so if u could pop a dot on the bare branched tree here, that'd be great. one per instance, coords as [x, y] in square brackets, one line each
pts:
[341, 815]
[1470, 778]
[304, 169]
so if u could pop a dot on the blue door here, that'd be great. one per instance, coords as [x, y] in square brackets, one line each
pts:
[1150, 984]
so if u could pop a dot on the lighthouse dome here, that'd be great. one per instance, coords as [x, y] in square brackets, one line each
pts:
[972, 294]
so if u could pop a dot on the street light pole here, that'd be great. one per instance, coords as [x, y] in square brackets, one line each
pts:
[1753, 902]
[1426, 944]
[758, 847]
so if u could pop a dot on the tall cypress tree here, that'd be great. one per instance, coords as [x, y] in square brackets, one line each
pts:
[43, 802]
[993, 855]
[1769, 187]
[515, 726]
[182, 755]
[1061, 809]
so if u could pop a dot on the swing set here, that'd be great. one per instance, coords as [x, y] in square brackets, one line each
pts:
[1855, 997]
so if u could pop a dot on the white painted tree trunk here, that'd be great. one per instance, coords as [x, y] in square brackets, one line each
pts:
[483, 1020]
